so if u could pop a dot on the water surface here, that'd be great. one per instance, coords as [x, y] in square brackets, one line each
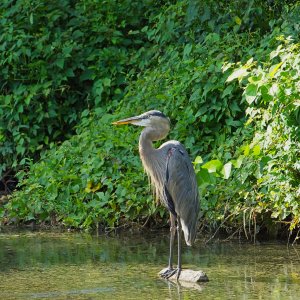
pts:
[37, 265]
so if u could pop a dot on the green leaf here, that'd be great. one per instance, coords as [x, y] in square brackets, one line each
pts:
[256, 150]
[213, 166]
[205, 178]
[296, 102]
[187, 50]
[226, 171]
[264, 161]
[198, 160]
[31, 19]
[246, 150]
[274, 69]
[70, 73]
[60, 63]
[264, 90]
[237, 163]
[251, 93]
[227, 91]
[98, 89]
[232, 122]
[87, 75]
[106, 82]
[238, 74]
[237, 20]
[276, 52]
[20, 149]
[20, 108]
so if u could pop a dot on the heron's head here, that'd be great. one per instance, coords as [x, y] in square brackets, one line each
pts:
[153, 119]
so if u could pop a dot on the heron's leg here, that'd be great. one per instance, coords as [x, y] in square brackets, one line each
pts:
[172, 236]
[179, 247]
[170, 271]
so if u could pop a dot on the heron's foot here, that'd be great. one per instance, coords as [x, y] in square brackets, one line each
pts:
[178, 273]
[170, 272]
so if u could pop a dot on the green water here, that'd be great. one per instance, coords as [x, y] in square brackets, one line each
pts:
[35, 265]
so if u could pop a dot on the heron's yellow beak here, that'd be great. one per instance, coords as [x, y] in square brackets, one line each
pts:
[132, 120]
[121, 122]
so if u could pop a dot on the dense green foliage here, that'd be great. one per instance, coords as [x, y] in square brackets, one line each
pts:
[227, 75]
[77, 184]
[57, 59]
[266, 169]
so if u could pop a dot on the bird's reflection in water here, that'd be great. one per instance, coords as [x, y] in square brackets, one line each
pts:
[177, 288]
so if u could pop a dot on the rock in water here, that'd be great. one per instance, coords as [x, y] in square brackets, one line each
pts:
[188, 275]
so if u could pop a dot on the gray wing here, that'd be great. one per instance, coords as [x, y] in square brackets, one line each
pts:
[181, 190]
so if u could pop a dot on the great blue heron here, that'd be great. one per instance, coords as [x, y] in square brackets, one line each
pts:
[172, 175]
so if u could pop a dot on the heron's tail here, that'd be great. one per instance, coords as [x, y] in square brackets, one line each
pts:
[189, 230]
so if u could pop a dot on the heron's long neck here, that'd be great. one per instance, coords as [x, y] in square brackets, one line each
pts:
[147, 136]
[153, 159]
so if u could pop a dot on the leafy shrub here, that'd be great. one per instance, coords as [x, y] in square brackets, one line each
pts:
[264, 184]
[93, 178]
[58, 58]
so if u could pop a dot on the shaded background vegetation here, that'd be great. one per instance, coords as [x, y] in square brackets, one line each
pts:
[227, 75]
